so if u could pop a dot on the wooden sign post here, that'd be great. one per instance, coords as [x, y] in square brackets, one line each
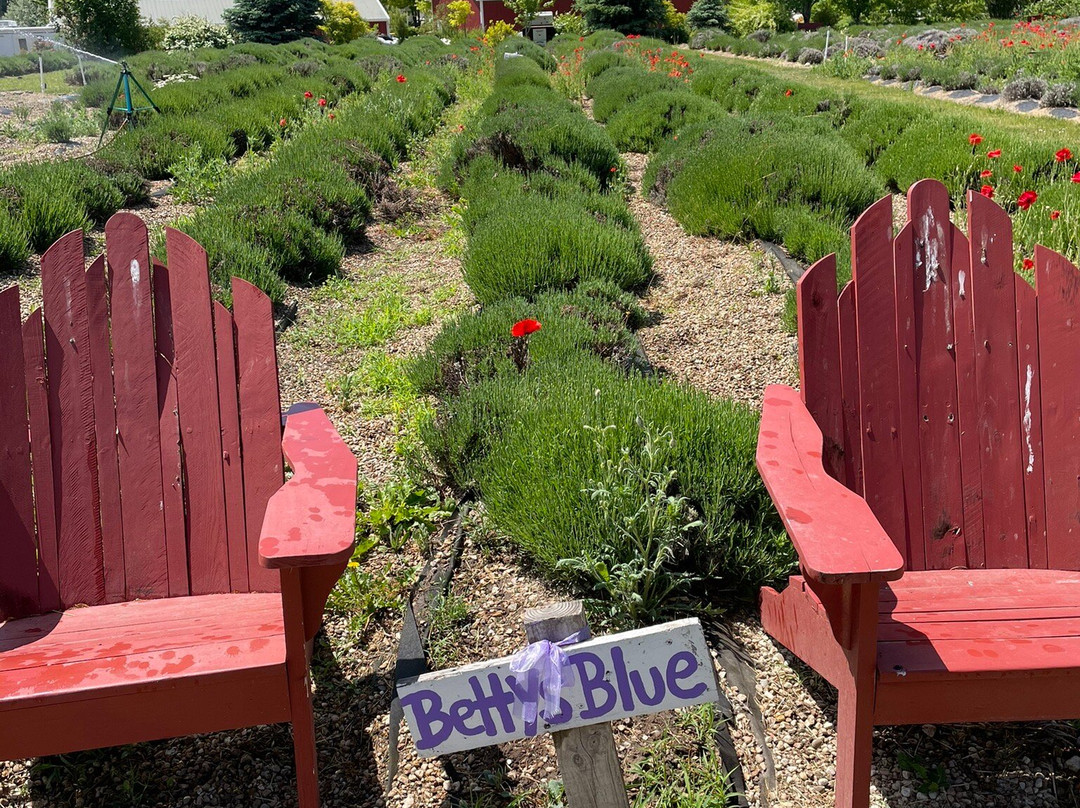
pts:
[603, 679]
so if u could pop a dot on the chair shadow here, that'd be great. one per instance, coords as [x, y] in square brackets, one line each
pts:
[246, 767]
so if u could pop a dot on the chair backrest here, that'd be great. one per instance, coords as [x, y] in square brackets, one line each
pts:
[140, 429]
[947, 388]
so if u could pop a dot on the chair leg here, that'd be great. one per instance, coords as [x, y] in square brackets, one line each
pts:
[307, 761]
[854, 747]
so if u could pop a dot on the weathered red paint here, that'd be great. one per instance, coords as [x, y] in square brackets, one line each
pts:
[966, 440]
[147, 660]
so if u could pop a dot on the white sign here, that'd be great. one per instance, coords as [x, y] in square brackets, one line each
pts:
[607, 678]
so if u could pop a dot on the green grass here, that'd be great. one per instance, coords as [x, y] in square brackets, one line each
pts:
[31, 82]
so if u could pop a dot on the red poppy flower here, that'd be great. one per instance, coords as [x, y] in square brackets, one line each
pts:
[307, 94]
[1018, 169]
[1026, 200]
[986, 172]
[522, 328]
[918, 47]
[473, 48]
[330, 116]
[975, 139]
[614, 169]
[987, 191]
[283, 123]
[1061, 155]
[1029, 264]
[993, 154]
[322, 102]
[1055, 215]
[401, 79]
[788, 93]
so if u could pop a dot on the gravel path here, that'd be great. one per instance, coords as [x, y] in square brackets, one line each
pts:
[717, 307]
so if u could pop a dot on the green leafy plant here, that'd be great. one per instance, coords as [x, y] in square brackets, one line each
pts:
[197, 177]
[402, 511]
[634, 503]
[191, 33]
[928, 779]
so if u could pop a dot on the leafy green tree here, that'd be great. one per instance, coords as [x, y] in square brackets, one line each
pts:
[858, 10]
[707, 14]
[626, 16]
[525, 11]
[274, 21]
[341, 22]
[108, 27]
[28, 12]
[458, 14]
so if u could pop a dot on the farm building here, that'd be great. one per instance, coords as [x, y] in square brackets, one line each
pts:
[485, 12]
[371, 11]
[16, 39]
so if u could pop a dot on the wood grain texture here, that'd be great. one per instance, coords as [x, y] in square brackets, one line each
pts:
[231, 459]
[137, 417]
[108, 472]
[851, 406]
[37, 399]
[1057, 283]
[838, 538]
[71, 419]
[819, 357]
[172, 470]
[998, 428]
[18, 541]
[931, 274]
[260, 417]
[875, 307]
[195, 367]
[907, 345]
[1029, 409]
[311, 520]
[588, 760]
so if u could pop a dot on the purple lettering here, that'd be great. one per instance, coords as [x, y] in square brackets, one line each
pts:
[639, 687]
[500, 700]
[566, 712]
[427, 711]
[591, 682]
[619, 663]
[529, 693]
[460, 711]
[681, 666]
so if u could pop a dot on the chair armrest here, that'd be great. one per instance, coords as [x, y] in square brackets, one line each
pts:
[837, 537]
[311, 520]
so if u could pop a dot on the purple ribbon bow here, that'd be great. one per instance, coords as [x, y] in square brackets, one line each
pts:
[547, 659]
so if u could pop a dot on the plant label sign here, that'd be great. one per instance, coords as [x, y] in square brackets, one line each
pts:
[604, 679]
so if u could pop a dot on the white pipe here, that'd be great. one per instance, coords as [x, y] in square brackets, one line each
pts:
[41, 74]
[827, 30]
[483, 25]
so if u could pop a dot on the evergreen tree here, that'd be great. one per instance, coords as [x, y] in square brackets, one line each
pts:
[625, 16]
[28, 12]
[707, 14]
[274, 21]
[108, 27]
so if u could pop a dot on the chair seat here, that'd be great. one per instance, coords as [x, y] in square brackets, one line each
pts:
[967, 623]
[100, 651]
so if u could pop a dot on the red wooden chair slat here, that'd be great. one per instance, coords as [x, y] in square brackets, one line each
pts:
[1030, 409]
[127, 412]
[907, 353]
[935, 372]
[992, 292]
[260, 407]
[172, 471]
[137, 418]
[71, 414]
[875, 307]
[18, 546]
[108, 472]
[851, 405]
[819, 357]
[1058, 286]
[232, 461]
[197, 392]
[37, 403]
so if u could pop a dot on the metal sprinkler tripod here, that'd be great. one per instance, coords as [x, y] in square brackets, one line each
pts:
[127, 105]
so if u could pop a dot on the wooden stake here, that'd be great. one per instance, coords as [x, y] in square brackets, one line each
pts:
[588, 760]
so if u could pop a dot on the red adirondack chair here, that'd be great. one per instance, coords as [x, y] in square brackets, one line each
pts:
[141, 477]
[927, 476]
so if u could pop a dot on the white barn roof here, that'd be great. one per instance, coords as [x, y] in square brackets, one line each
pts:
[370, 10]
